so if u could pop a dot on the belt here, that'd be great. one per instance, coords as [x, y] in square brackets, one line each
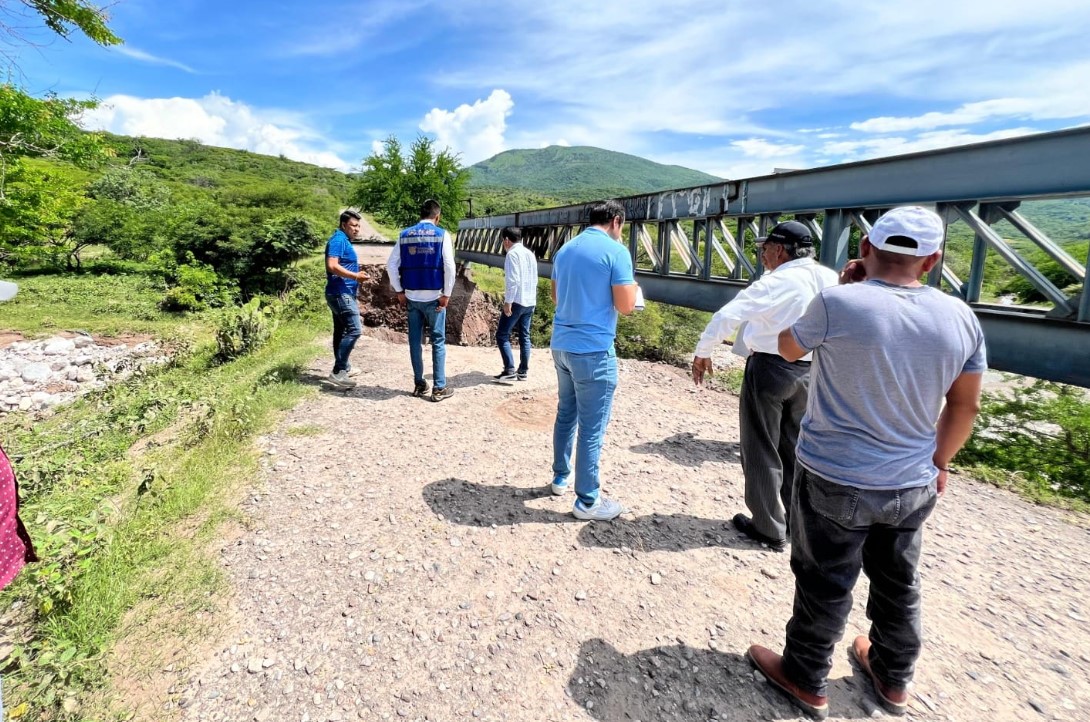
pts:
[781, 358]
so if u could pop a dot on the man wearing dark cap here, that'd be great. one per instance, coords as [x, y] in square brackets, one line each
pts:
[773, 396]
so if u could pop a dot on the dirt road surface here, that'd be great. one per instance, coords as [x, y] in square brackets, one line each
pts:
[404, 561]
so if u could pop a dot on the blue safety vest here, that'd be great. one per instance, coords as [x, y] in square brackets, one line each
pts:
[421, 257]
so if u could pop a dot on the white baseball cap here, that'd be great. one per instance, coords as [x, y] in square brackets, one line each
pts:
[7, 290]
[908, 230]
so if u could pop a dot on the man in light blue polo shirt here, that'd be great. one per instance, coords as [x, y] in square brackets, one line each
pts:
[592, 282]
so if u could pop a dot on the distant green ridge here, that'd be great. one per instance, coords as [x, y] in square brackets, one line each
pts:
[581, 171]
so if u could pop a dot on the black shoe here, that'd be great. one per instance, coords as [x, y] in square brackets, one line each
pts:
[506, 377]
[421, 389]
[745, 525]
[522, 375]
[442, 394]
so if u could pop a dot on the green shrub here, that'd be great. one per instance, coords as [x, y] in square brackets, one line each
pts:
[1041, 434]
[305, 297]
[196, 286]
[243, 329]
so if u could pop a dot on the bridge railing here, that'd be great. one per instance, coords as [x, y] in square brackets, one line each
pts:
[694, 246]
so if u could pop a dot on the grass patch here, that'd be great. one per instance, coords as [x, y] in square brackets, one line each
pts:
[489, 279]
[305, 430]
[390, 233]
[728, 379]
[117, 530]
[105, 304]
[124, 489]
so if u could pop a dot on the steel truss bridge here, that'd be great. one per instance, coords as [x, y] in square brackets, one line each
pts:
[691, 246]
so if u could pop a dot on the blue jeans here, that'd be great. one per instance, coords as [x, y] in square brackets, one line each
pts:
[837, 530]
[427, 316]
[586, 382]
[520, 318]
[346, 327]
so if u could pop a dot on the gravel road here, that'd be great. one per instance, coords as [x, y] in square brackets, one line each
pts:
[402, 560]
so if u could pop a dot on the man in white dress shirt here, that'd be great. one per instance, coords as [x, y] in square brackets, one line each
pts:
[774, 390]
[519, 300]
[421, 269]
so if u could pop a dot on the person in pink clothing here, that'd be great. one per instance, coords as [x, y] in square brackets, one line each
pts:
[16, 548]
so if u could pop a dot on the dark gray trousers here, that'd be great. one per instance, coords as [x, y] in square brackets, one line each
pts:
[837, 530]
[772, 404]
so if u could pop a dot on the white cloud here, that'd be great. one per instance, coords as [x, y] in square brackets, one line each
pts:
[1071, 105]
[214, 120]
[761, 148]
[146, 57]
[475, 131]
[978, 53]
[882, 147]
[336, 29]
[377, 147]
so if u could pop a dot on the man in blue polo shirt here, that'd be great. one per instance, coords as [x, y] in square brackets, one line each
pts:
[592, 282]
[421, 269]
[342, 277]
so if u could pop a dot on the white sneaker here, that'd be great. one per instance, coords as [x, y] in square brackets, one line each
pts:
[341, 380]
[352, 372]
[603, 510]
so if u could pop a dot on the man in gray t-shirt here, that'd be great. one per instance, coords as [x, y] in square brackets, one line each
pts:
[874, 451]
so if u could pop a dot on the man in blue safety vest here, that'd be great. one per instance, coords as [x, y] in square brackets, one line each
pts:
[421, 269]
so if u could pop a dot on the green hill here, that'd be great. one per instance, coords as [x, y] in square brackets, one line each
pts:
[581, 172]
[193, 164]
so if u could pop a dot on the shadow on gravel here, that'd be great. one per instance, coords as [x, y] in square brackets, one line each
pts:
[376, 393]
[680, 683]
[469, 378]
[665, 533]
[464, 502]
[687, 450]
[312, 379]
[471, 504]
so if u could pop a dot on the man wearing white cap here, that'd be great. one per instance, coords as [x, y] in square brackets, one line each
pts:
[874, 452]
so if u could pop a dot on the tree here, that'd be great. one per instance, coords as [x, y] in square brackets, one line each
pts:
[34, 217]
[44, 127]
[61, 16]
[394, 186]
[36, 214]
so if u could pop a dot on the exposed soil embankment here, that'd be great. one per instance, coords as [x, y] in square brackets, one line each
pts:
[471, 315]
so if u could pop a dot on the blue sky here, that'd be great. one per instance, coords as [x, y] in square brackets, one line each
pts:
[731, 88]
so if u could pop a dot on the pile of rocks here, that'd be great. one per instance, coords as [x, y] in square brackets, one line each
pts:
[36, 375]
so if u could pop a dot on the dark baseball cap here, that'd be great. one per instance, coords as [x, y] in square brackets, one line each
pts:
[789, 233]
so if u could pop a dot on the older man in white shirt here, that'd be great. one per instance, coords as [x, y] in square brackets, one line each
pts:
[774, 390]
[519, 299]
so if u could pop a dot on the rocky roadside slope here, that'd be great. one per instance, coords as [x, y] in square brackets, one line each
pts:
[38, 374]
[402, 560]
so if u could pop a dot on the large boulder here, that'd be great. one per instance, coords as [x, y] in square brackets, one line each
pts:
[36, 373]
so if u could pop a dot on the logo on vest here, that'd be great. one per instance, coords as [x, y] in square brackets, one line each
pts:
[412, 250]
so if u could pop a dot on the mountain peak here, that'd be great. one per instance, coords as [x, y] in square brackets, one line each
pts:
[560, 169]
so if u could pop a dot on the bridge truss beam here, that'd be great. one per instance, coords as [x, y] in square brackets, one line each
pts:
[692, 246]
